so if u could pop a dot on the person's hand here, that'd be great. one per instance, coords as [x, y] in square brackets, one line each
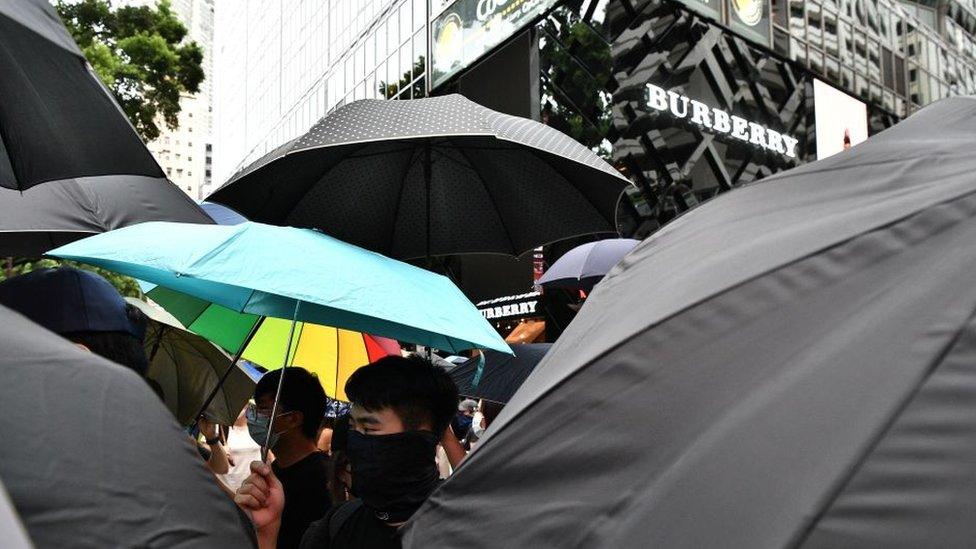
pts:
[262, 498]
[207, 428]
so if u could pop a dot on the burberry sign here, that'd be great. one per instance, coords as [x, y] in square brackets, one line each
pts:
[719, 121]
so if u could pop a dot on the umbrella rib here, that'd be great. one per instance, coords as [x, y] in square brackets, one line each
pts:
[484, 184]
[396, 212]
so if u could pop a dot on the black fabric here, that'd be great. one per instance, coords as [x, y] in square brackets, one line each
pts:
[788, 365]
[393, 474]
[502, 373]
[56, 120]
[360, 530]
[307, 499]
[90, 456]
[70, 163]
[498, 184]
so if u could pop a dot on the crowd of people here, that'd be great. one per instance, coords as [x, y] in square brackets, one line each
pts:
[334, 476]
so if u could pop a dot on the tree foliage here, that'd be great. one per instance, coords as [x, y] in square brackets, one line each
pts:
[576, 62]
[141, 55]
[125, 285]
[389, 89]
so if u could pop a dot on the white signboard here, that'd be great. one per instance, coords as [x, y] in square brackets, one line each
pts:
[841, 121]
[719, 121]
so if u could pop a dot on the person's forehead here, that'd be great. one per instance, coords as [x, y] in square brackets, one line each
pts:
[265, 401]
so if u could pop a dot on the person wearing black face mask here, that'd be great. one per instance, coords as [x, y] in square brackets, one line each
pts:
[399, 408]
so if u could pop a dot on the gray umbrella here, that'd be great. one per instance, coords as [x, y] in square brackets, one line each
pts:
[585, 265]
[70, 163]
[92, 458]
[788, 365]
[393, 177]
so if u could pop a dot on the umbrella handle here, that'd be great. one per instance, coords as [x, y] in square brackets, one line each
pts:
[281, 379]
[230, 368]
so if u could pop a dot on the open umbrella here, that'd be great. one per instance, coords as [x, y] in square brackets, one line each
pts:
[299, 274]
[188, 368]
[585, 265]
[70, 163]
[788, 365]
[498, 375]
[12, 532]
[391, 176]
[91, 457]
[330, 353]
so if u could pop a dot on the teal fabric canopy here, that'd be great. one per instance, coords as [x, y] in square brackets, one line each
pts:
[268, 270]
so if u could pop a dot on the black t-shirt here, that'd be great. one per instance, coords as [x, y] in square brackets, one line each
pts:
[361, 530]
[306, 485]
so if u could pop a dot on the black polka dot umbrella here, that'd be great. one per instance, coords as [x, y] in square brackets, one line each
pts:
[431, 177]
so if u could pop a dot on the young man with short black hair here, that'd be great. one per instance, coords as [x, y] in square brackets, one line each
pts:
[302, 469]
[400, 408]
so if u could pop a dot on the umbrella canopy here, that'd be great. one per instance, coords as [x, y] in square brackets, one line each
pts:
[77, 169]
[12, 532]
[583, 266]
[222, 214]
[282, 271]
[391, 176]
[92, 458]
[187, 367]
[330, 353]
[790, 364]
[501, 374]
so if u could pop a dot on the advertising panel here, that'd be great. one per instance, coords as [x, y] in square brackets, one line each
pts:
[841, 121]
[709, 8]
[751, 18]
[467, 29]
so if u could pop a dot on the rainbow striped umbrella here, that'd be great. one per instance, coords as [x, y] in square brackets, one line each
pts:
[332, 354]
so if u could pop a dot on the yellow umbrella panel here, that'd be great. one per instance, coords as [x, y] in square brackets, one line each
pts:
[330, 353]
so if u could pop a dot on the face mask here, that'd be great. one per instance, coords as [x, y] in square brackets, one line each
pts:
[476, 424]
[393, 474]
[257, 427]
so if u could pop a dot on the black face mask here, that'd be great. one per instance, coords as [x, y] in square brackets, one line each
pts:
[393, 474]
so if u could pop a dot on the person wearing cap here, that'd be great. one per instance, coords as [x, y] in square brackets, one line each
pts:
[462, 422]
[87, 310]
[83, 308]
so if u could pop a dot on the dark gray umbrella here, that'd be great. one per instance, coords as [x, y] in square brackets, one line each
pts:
[393, 177]
[585, 265]
[789, 365]
[92, 458]
[500, 374]
[70, 163]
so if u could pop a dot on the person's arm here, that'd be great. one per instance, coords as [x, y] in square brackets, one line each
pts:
[452, 447]
[262, 498]
[218, 462]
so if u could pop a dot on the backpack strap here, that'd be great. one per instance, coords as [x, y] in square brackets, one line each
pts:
[341, 515]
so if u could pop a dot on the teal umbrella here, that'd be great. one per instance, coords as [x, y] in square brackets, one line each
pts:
[299, 274]
[273, 271]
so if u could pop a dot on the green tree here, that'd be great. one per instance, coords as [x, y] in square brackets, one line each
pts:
[407, 80]
[141, 55]
[14, 267]
[577, 64]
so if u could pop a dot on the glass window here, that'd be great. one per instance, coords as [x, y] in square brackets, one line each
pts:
[814, 22]
[831, 40]
[797, 20]
[889, 68]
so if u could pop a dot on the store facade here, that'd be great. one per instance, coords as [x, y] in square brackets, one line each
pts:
[691, 99]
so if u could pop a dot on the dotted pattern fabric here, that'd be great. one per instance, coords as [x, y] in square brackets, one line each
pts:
[499, 184]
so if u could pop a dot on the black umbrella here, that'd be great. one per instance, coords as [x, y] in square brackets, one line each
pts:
[393, 177]
[500, 375]
[70, 163]
[92, 458]
[789, 365]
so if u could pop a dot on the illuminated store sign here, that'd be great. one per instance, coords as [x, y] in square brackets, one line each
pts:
[467, 29]
[719, 121]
